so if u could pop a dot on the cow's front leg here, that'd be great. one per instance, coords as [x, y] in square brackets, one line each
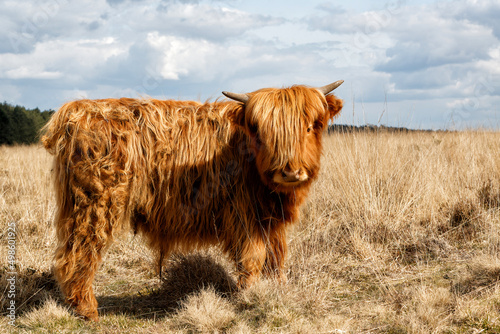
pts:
[276, 250]
[250, 262]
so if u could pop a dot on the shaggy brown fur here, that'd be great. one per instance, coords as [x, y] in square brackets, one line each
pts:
[185, 175]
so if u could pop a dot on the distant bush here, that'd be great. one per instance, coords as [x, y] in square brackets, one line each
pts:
[19, 125]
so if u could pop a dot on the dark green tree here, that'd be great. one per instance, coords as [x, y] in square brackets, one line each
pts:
[19, 125]
[6, 135]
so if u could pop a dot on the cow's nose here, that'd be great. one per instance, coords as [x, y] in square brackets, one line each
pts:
[291, 176]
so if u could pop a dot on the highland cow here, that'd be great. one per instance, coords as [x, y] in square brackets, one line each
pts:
[185, 175]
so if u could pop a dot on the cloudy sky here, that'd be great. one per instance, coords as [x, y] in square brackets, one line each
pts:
[420, 64]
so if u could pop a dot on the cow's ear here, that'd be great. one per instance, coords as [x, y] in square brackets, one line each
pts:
[334, 106]
[236, 115]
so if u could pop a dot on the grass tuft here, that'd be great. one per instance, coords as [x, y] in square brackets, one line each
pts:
[205, 312]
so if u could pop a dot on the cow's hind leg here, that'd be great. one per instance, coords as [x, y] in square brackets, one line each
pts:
[75, 267]
[84, 229]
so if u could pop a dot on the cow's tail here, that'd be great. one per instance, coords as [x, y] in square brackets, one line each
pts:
[55, 134]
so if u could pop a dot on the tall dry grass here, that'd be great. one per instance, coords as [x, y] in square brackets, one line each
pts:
[400, 235]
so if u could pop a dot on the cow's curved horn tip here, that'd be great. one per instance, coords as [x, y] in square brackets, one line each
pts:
[237, 97]
[329, 88]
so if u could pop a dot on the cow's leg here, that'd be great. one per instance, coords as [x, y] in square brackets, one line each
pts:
[84, 230]
[76, 264]
[276, 250]
[250, 261]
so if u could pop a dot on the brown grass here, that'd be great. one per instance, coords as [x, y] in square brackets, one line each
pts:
[400, 235]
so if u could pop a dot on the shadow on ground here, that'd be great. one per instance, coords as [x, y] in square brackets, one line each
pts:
[186, 275]
[30, 287]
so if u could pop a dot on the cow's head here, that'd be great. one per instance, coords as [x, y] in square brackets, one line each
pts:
[285, 127]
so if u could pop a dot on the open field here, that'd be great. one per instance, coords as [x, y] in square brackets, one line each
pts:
[401, 234]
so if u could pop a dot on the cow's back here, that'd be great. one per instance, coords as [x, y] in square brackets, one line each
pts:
[170, 162]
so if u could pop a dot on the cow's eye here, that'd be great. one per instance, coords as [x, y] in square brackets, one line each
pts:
[309, 129]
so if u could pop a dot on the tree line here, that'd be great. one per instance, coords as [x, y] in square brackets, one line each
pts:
[19, 125]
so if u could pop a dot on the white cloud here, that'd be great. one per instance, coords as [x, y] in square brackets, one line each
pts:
[440, 55]
[446, 52]
[426, 39]
[56, 58]
[180, 56]
[25, 72]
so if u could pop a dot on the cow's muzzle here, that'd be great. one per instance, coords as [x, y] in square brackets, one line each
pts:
[290, 177]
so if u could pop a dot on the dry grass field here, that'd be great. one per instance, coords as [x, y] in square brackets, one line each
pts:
[401, 234]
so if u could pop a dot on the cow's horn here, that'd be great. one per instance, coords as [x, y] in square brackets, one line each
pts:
[329, 88]
[237, 97]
